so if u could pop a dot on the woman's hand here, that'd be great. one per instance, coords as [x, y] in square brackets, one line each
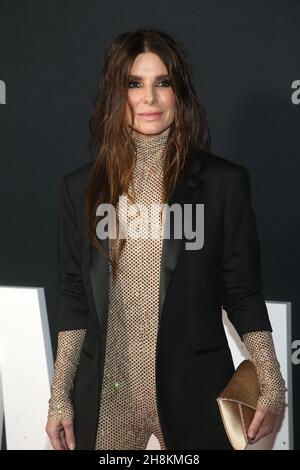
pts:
[262, 424]
[61, 433]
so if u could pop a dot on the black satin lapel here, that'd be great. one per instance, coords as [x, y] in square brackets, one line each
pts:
[99, 274]
[188, 192]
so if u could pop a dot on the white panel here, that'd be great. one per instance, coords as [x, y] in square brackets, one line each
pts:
[26, 366]
[1, 407]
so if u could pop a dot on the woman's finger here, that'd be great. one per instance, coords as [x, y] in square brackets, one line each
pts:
[63, 439]
[255, 424]
[263, 431]
[56, 442]
[69, 433]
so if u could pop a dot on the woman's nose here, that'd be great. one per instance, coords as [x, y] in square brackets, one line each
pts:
[150, 95]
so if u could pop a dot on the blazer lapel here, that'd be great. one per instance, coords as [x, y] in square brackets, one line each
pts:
[99, 274]
[187, 192]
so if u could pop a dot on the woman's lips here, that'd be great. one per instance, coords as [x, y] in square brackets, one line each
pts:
[150, 115]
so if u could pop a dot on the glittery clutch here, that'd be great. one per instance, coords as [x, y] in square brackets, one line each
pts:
[237, 404]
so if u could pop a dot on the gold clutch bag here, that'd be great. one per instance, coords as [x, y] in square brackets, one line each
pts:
[237, 404]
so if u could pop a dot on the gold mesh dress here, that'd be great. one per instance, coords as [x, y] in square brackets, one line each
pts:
[128, 408]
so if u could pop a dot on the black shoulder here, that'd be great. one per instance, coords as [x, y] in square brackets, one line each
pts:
[221, 169]
[75, 183]
[79, 176]
[213, 162]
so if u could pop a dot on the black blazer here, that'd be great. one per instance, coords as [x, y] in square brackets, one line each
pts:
[193, 360]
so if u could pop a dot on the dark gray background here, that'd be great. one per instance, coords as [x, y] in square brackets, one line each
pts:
[245, 57]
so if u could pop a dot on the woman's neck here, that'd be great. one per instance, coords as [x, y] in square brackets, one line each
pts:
[151, 148]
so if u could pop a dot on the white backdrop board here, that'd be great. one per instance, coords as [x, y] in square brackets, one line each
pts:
[26, 366]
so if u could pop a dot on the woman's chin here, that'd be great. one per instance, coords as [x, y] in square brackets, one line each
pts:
[149, 130]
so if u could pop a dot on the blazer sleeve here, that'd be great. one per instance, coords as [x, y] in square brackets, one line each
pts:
[73, 304]
[242, 287]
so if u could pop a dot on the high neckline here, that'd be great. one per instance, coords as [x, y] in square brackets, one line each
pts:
[150, 149]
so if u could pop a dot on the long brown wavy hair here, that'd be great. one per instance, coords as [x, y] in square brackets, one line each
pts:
[111, 138]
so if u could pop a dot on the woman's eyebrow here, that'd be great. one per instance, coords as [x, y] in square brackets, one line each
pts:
[137, 77]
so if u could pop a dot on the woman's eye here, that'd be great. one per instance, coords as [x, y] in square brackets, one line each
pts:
[134, 83]
[165, 82]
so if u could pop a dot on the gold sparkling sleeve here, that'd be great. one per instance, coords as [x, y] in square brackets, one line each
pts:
[261, 348]
[68, 351]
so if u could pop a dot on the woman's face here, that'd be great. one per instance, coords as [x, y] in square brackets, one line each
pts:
[149, 91]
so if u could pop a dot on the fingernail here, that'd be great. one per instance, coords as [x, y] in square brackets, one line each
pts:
[71, 446]
[251, 434]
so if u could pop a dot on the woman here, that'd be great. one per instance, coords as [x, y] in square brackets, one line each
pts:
[141, 344]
